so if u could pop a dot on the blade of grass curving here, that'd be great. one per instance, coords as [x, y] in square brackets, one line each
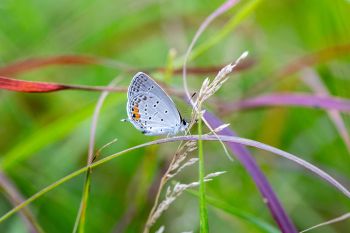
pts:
[15, 198]
[81, 216]
[229, 139]
[222, 9]
[244, 12]
[290, 99]
[238, 212]
[335, 220]
[311, 79]
[276, 209]
[244, 156]
[209, 88]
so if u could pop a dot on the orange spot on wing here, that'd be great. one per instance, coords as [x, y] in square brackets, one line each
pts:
[135, 112]
[137, 116]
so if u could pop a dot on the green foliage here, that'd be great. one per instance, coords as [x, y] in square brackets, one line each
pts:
[44, 137]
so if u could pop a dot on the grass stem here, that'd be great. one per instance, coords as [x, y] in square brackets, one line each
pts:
[204, 226]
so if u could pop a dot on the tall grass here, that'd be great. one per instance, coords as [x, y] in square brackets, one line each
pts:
[299, 52]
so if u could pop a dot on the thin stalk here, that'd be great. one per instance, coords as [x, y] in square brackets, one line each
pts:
[233, 139]
[203, 213]
[235, 20]
[81, 216]
[85, 201]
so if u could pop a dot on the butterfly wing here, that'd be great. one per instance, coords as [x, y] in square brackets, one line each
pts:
[150, 115]
[143, 84]
[149, 108]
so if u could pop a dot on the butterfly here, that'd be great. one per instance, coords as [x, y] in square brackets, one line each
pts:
[151, 110]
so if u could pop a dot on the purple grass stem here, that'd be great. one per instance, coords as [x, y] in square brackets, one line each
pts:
[292, 99]
[243, 155]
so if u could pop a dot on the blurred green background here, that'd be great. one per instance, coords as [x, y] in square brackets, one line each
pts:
[45, 136]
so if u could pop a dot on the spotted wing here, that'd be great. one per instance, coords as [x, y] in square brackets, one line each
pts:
[151, 114]
[143, 84]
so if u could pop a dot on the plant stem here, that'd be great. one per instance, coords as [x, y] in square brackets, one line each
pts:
[225, 138]
[80, 221]
[81, 216]
[204, 226]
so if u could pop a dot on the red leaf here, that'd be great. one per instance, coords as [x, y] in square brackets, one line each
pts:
[42, 87]
[28, 86]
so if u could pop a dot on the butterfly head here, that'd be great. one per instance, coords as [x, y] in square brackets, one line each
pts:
[184, 125]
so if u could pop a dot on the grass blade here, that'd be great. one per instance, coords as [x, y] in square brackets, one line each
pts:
[81, 217]
[203, 212]
[231, 139]
[237, 212]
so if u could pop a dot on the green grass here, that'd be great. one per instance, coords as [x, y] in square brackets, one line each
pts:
[203, 212]
[43, 136]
